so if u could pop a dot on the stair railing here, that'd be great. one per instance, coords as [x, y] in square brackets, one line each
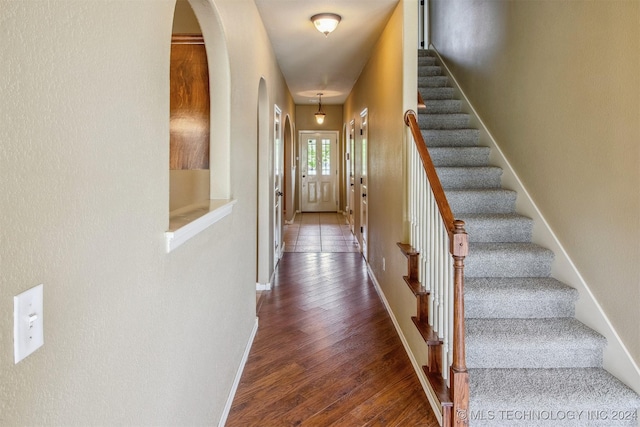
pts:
[442, 243]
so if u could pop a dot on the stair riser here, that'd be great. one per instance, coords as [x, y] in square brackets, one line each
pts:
[497, 356]
[499, 230]
[437, 93]
[445, 106]
[481, 202]
[426, 60]
[508, 264]
[451, 138]
[489, 307]
[430, 70]
[459, 178]
[464, 156]
[443, 121]
[432, 81]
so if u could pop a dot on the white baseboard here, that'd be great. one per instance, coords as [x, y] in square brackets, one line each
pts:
[416, 366]
[236, 381]
[617, 359]
[292, 220]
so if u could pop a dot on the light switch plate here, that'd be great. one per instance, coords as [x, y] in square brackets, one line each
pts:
[28, 331]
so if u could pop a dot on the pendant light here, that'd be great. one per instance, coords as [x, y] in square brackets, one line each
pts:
[320, 114]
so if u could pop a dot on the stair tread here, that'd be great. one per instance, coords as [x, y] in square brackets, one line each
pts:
[462, 177]
[451, 137]
[532, 297]
[508, 246]
[497, 227]
[429, 93]
[407, 249]
[546, 333]
[532, 287]
[586, 389]
[427, 333]
[459, 156]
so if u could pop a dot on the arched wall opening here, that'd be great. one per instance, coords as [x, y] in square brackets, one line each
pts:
[187, 186]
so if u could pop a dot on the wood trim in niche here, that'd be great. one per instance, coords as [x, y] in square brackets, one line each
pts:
[187, 39]
[189, 104]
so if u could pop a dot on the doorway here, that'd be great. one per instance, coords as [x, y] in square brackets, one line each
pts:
[364, 198]
[318, 171]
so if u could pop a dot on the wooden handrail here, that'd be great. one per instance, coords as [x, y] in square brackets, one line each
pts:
[411, 120]
[458, 248]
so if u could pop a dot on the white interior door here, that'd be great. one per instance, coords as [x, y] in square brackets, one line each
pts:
[364, 203]
[351, 179]
[318, 171]
[278, 160]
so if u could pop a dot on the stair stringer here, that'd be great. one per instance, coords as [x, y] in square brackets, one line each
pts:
[616, 358]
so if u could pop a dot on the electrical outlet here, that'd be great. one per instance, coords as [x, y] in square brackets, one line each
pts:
[28, 331]
[384, 265]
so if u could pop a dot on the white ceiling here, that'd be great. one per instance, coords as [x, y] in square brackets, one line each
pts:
[313, 63]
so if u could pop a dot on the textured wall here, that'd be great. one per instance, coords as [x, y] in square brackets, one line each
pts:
[133, 336]
[380, 89]
[558, 85]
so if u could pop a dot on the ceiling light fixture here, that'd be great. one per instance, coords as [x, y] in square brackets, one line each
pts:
[320, 114]
[326, 22]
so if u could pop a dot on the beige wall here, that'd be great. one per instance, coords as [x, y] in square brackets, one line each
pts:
[133, 336]
[558, 85]
[305, 119]
[380, 89]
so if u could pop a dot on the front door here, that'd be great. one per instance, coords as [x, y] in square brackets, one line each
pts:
[364, 203]
[319, 171]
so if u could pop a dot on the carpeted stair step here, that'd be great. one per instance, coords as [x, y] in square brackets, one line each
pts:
[518, 297]
[451, 138]
[426, 61]
[441, 106]
[507, 343]
[443, 121]
[508, 260]
[459, 156]
[506, 227]
[429, 93]
[432, 81]
[564, 397]
[470, 177]
[478, 201]
[429, 70]
[425, 52]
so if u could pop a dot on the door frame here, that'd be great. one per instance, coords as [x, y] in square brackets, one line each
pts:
[351, 175]
[278, 171]
[364, 184]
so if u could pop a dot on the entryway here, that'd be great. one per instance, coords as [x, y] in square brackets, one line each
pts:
[319, 232]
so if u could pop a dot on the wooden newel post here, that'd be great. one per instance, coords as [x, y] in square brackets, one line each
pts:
[459, 377]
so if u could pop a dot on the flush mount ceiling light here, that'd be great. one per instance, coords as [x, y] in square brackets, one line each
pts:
[320, 114]
[326, 22]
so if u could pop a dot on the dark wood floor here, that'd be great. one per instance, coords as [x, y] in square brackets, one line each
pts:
[326, 353]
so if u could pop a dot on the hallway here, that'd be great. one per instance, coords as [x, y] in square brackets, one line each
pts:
[326, 352]
[319, 232]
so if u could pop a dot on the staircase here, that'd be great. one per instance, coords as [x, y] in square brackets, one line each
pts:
[530, 361]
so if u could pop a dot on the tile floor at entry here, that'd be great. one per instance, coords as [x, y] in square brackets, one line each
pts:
[319, 232]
